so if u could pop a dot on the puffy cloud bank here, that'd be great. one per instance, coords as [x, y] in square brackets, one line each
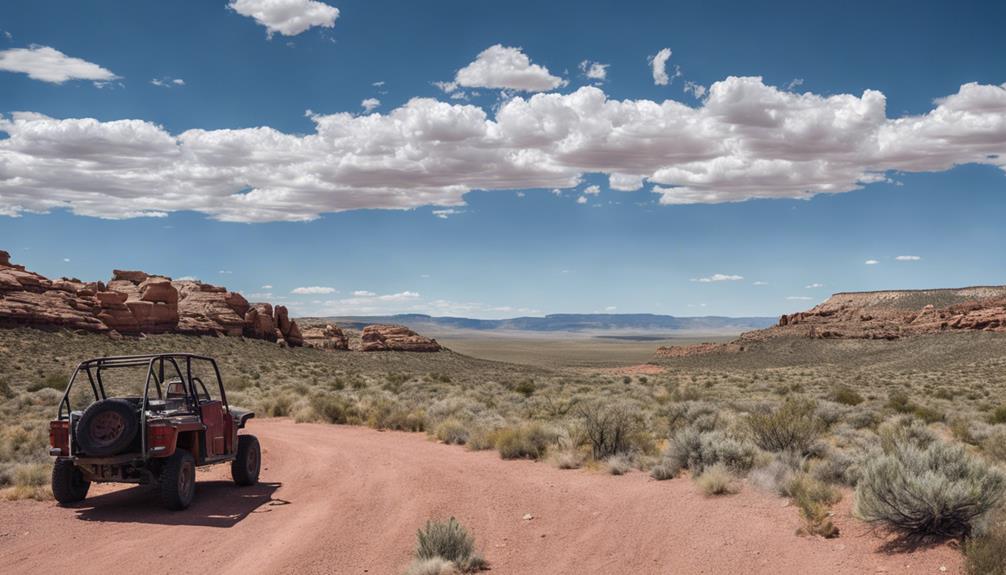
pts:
[288, 17]
[746, 140]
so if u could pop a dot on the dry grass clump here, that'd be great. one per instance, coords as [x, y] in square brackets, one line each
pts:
[847, 396]
[30, 481]
[525, 441]
[452, 432]
[717, 480]
[443, 545]
[794, 426]
[985, 554]
[665, 469]
[939, 490]
[814, 499]
[618, 464]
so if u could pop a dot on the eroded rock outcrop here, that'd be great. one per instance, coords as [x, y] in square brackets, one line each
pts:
[325, 337]
[384, 337]
[135, 302]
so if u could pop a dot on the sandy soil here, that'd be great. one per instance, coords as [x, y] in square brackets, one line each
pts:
[348, 500]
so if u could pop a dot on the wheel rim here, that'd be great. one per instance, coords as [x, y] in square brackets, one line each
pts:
[252, 462]
[186, 480]
[106, 427]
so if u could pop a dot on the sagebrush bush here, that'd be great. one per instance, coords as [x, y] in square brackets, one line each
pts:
[449, 541]
[794, 426]
[940, 490]
[331, 408]
[436, 566]
[569, 459]
[998, 415]
[527, 441]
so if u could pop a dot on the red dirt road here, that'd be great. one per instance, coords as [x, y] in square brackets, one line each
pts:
[347, 500]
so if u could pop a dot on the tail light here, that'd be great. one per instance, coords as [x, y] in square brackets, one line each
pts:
[160, 439]
[59, 437]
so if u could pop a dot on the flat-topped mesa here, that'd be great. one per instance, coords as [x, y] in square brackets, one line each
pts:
[385, 337]
[887, 315]
[895, 314]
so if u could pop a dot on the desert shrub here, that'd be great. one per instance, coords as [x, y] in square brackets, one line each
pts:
[906, 429]
[610, 429]
[928, 414]
[697, 451]
[52, 381]
[717, 480]
[843, 467]
[701, 415]
[792, 427]
[525, 387]
[998, 415]
[938, 490]
[985, 554]
[995, 445]
[665, 469]
[30, 481]
[5, 390]
[830, 413]
[389, 414]
[814, 499]
[448, 541]
[527, 441]
[452, 432]
[847, 396]
[481, 438]
[862, 419]
[331, 408]
[278, 404]
[776, 475]
[899, 401]
[618, 464]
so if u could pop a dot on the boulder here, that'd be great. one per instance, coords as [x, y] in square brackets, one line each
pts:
[135, 277]
[204, 309]
[385, 337]
[159, 290]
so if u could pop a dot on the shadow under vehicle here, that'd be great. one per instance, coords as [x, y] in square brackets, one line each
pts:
[108, 430]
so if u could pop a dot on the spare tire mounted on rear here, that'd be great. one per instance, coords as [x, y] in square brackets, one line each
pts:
[107, 427]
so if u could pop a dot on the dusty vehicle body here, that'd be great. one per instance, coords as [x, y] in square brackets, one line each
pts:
[159, 437]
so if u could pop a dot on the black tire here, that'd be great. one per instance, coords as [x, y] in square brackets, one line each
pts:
[246, 466]
[178, 481]
[107, 427]
[68, 483]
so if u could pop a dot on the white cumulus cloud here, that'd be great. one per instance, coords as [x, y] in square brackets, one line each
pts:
[594, 70]
[814, 286]
[745, 140]
[871, 262]
[370, 104]
[50, 65]
[718, 278]
[908, 258]
[312, 290]
[288, 17]
[658, 63]
[505, 67]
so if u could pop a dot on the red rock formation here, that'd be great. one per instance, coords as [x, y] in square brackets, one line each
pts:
[327, 337]
[381, 337]
[135, 302]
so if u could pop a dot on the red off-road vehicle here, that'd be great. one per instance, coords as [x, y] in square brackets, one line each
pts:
[107, 430]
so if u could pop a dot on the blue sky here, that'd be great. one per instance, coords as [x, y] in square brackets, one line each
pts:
[760, 165]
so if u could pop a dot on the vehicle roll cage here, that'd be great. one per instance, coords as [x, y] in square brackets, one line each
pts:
[156, 364]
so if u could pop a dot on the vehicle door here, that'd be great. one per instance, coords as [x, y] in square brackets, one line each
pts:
[211, 408]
